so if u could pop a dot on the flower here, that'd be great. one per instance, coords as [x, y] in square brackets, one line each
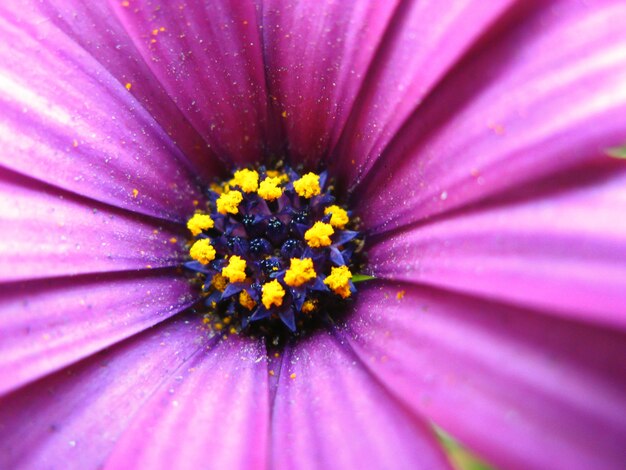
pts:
[471, 137]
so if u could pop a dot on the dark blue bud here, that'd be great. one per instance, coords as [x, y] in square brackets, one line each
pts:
[292, 248]
[260, 246]
[270, 265]
[237, 246]
[276, 230]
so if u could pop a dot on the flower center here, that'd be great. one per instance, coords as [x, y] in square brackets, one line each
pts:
[273, 252]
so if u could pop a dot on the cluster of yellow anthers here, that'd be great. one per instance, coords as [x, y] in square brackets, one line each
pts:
[300, 270]
[269, 189]
[198, 223]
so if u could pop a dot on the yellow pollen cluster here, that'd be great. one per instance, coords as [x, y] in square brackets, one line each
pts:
[339, 281]
[308, 306]
[308, 185]
[236, 269]
[339, 217]
[299, 272]
[319, 235]
[284, 177]
[247, 180]
[198, 223]
[269, 188]
[229, 202]
[202, 251]
[272, 294]
[246, 301]
[219, 282]
[216, 188]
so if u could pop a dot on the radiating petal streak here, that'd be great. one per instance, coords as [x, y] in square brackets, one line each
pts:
[51, 323]
[558, 246]
[474, 366]
[75, 416]
[67, 122]
[515, 112]
[47, 232]
[214, 413]
[405, 70]
[324, 395]
[208, 57]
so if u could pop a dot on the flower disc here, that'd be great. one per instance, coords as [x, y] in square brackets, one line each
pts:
[273, 252]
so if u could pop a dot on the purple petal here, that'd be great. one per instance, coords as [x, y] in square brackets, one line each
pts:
[75, 417]
[67, 122]
[45, 232]
[95, 27]
[559, 246]
[330, 413]
[213, 413]
[48, 324]
[208, 57]
[523, 390]
[317, 54]
[424, 42]
[547, 94]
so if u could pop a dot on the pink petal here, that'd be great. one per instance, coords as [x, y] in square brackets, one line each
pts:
[67, 122]
[96, 29]
[547, 94]
[559, 246]
[48, 324]
[330, 413]
[523, 390]
[74, 417]
[317, 54]
[424, 42]
[208, 58]
[45, 232]
[214, 413]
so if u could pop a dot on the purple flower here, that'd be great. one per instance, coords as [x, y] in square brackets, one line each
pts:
[471, 136]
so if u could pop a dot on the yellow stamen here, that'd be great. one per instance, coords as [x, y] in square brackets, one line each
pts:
[272, 294]
[219, 282]
[300, 271]
[308, 185]
[236, 269]
[229, 202]
[339, 217]
[202, 251]
[339, 281]
[284, 177]
[198, 223]
[319, 235]
[247, 180]
[246, 301]
[217, 188]
[269, 189]
[308, 306]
